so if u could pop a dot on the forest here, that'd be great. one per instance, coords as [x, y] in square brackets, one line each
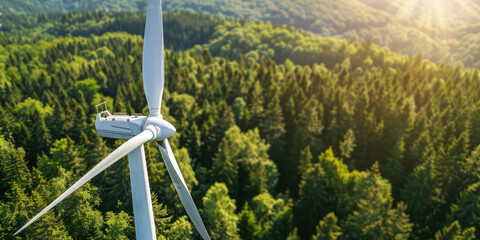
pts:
[444, 31]
[281, 134]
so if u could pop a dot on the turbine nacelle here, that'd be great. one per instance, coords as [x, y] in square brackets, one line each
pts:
[121, 126]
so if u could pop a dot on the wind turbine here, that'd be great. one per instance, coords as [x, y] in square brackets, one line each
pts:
[138, 130]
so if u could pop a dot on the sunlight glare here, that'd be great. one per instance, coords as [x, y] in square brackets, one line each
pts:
[441, 14]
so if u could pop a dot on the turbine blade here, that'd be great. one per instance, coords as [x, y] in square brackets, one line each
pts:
[182, 189]
[116, 155]
[153, 57]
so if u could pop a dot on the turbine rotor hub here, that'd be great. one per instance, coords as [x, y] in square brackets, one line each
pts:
[160, 128]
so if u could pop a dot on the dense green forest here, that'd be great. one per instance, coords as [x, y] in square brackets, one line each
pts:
[280, 134]
[57, 6]
[444, 31]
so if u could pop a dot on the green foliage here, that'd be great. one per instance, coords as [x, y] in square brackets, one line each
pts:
[417, 195]
[15, 212]
[78, 210]
[247, 223]
[323, 189]
[34, 119]
[328, 229]
[242, 162]
[160, 213]
[219, 213]
[393, 169]
[180, 229]
[268, 218]
[26, 6]
[13, 170]
[348, 144]
[375, 217]
[398, 25]
[455, 232]
[363, 200]
[88, 88]
[433, 187]
[179, 33]
[467, 208]
[118, 226]
[305, 161]
[64, 154]
[382, 22]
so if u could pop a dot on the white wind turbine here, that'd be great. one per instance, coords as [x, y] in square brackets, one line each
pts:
[139, 130]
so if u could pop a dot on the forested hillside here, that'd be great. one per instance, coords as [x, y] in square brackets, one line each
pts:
[58, 6]
[428, 26]
[280, 135]
[226, 38]
[443, 31]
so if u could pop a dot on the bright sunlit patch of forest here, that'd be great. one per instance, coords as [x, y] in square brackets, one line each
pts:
[442, 14]
[280, 134]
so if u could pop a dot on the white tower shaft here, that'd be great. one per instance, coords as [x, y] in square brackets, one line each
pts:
[142, 202]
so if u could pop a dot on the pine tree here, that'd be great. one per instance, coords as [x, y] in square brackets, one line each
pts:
[243, 164]
[97, 150]
[247, 223]
[256, 105]
[272, 127]
[64, 154]
[31, 131]
[162, 220]
[375, 217]
[13, 169]
[450, 165]
[238, 108]
[116, 179]
[466, 210]
[118, 226]
[348, 144]
[393, 169]
[454, 232]
[180, 229]
[328, 229]
[323, 189]
[219, 213]
[79, 209]
[305, 161]
[417, 194]
[266, 210]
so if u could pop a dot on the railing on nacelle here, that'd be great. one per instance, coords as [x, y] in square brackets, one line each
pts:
[105, 113]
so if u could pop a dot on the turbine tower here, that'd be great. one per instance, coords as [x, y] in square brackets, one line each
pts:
[138, 130]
